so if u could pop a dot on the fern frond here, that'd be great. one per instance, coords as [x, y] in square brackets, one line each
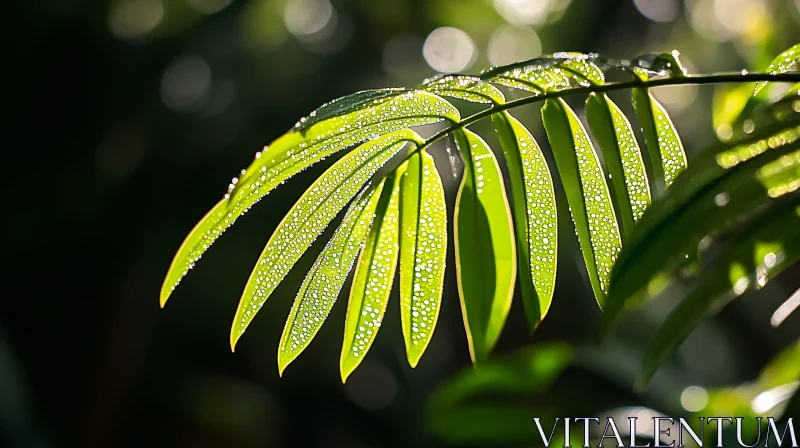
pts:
[402, 215]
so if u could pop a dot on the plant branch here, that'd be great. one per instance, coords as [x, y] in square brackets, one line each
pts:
[716, 78]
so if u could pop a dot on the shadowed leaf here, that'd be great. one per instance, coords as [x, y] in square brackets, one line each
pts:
[486, 265]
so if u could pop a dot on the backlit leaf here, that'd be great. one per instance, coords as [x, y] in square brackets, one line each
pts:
[309, 217]
[373, 279]
[547, 73]
[587, 193]
[486, 265]
[423, 252]
[467, 88]
[347, 104]
[623, 158]
[664, 146]
[324, 281]
[781, 64]
[535, 215]
[296, 151]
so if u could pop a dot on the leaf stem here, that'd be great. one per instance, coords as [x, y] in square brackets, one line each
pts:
[731, 77]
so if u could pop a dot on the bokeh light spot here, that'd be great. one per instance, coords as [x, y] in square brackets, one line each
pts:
[307, 18]
[694, 398]
[658, 10]
[511, 44]
[449, 50]
[372, 386]
[131, 19]
[186, 83]
[523, 12]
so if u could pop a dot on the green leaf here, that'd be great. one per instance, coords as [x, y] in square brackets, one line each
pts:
[723, 185]
[528, 371]
[373, 279]
[324, 281]
[783, 368]
[468, 408]
[740, 268]
[423, 252]
[664, 146]
[763, 397]
[792, 409]
[535, 215]
[296, 151]
[309, 217]
[486, 265]
[467, 88]
[623, 158]
[732, 105]
[794, 91]
[781, 64]
[547, 73]
[534, 75]
[493, 405]
[587, 193]
[347, 104]
[584, 72]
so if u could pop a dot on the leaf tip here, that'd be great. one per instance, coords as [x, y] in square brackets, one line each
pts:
[347, 365]
[641, 382]
[413, 359]
[282, 364]
[166, 290]
[234, 339]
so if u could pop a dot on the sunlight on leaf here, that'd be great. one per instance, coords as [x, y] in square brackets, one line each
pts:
[423, 252]
[296, 151]
[467, 88]
[324, 281]
[535, 215]
[347, 104]
[623, 157]
[373, 279]
[781, 64]
[664, 146]
[587, 193]
[486, 265]
[309, 217]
